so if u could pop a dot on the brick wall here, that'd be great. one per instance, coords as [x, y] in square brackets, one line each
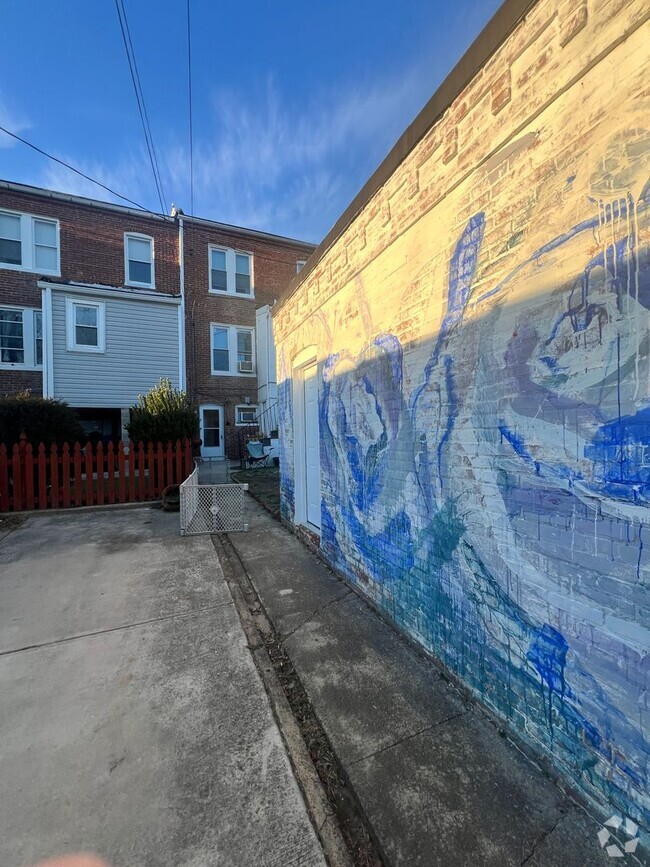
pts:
[92, 251]
[274, 265]
[481, 329]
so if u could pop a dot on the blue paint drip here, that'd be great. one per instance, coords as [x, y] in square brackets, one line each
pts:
[548, 654]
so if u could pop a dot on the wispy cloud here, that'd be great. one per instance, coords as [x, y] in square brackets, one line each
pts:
[11, 120]
[265, 162]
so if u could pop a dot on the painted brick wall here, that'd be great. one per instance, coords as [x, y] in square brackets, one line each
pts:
[483, 344]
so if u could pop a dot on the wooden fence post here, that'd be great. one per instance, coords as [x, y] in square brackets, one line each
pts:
[4, 479]
[42, 477]
[28, 460]
[110, 467]
[77, 475]
[54, 476]
[99, 463]
[66, 481]
[131, 472]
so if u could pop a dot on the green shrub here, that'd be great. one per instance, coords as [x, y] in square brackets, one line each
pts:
[41, 419]
[165, 414]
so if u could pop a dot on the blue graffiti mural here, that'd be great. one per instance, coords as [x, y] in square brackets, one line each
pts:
[500, 476]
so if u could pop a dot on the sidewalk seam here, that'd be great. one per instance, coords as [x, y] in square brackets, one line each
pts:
[410, 737]
[315, 612]
[81, 635]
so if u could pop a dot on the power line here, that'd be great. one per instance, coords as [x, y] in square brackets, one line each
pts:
[146, 116]
[189, 94]
[135, 78]
[73, 169]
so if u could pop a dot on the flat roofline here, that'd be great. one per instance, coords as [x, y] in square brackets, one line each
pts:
[495, 32]
[103, 290]
[98, 204]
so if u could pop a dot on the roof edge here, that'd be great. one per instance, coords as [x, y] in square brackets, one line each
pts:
[99, 204]
[495, 32]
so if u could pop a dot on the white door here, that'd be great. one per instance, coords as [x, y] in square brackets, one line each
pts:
[312, 446]
[211, 416]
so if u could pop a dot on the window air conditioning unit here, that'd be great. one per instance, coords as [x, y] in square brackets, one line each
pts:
[245, 366]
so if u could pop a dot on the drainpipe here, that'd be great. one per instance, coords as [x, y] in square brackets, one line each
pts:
[182, 373]
[48, 344]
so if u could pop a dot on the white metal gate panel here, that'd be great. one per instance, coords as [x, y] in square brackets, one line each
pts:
[211, 508]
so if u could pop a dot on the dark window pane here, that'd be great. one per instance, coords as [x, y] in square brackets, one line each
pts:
[86, 316]
[219, 281]
[220, 360]
[12, 356]
[139, 272]
[86, 336]
[210, 418]
[243, 284]
[10, 252]
[211, 437]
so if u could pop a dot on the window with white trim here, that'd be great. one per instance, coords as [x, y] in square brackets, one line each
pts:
[21, 338]
[245, 413]
[300, 264]
[232, 350]
[138, 260]
[231, 272]
[85, 325]
[29, 243]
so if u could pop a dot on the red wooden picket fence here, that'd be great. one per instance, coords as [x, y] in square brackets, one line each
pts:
[54, 477]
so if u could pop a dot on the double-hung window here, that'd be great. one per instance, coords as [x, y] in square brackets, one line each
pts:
[232, 350]
[138, 260]
[231, 272]
[21, 337]
[85, 325]
[29, 243]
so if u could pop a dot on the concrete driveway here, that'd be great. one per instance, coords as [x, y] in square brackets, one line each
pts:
[132, 719]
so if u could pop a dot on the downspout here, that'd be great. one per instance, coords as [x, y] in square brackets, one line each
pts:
[48, 344]
[182, 370]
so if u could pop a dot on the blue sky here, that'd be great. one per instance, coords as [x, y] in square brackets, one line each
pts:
[295, 104]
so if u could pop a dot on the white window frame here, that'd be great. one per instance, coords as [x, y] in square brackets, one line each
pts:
[29, 339]
[28, 244]
[248, 407]
[138, 236]
[232, 350]
[300, 264]
[231, 270]
[70, 325]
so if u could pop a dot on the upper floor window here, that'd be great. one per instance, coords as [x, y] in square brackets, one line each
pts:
[85, 325]
[29, 243]
[21, 337]
[300, 264]
[232, 350]
[230, 272]
[138, 259]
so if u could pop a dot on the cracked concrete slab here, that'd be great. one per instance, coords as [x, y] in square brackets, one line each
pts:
[354, 660]
[150, 743]
[44, 599]
[473, 799]
[289, 601]
[437, 782]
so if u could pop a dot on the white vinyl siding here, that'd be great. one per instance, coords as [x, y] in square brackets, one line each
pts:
[141, 345]
[231, 272]
[29, 243]
[232, 350]
[139, 260]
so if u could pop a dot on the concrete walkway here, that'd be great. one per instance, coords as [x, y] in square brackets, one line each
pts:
[436, 781]
[133, 722]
